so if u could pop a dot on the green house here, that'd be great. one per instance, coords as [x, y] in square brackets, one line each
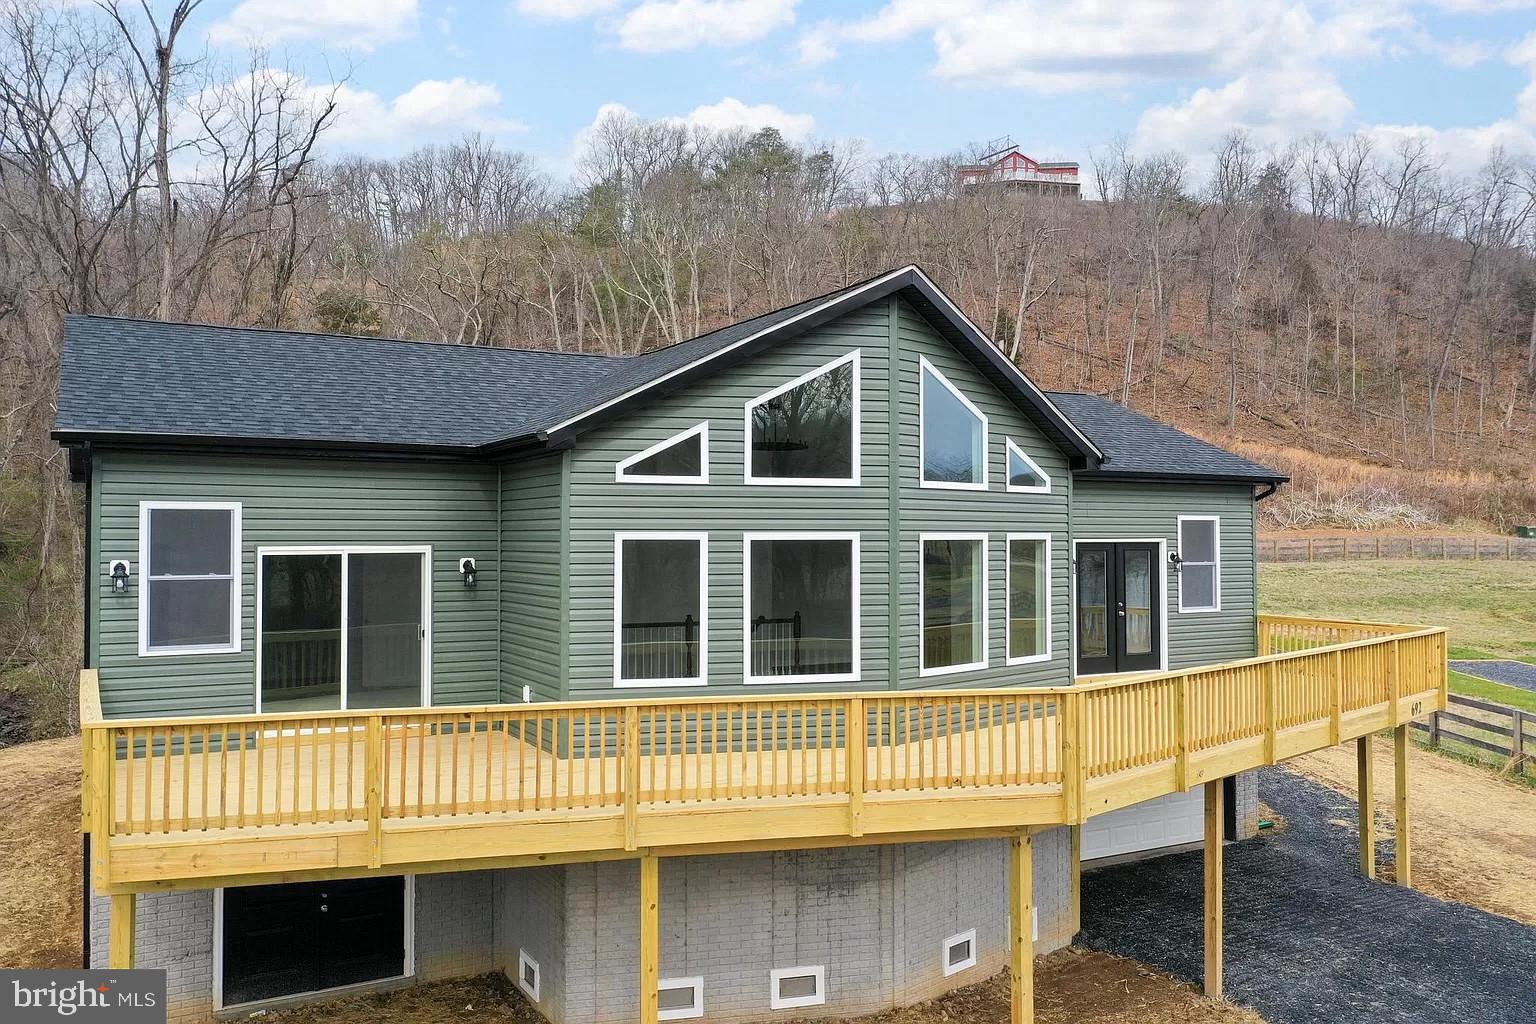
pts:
[856, 494]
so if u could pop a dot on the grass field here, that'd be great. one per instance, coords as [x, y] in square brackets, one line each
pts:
[1489, 607]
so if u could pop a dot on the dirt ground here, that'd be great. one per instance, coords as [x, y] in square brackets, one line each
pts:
[40, 854]
[1475, 833]
[1071, 987]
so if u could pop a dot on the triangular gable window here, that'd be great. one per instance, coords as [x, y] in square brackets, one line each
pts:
[1024, 473]
[680, 459]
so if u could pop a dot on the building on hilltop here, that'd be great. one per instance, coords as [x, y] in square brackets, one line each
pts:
[1004, 164]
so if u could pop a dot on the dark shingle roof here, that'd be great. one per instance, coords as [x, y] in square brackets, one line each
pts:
[195, 383]
[1139, 446]
[144, 377]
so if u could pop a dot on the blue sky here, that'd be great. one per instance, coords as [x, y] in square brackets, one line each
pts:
[926, 76]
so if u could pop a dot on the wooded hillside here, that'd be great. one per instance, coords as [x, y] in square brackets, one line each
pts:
[1358, 318]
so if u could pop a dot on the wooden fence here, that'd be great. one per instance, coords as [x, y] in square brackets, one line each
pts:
[1507, 732]
[1354, 548]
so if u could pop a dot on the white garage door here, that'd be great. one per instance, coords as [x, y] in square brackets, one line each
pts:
[1173, 820]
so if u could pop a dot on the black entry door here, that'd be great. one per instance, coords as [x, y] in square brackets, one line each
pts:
[281, 940]
[1119, 621]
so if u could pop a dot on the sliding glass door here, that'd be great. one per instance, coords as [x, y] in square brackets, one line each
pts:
[342, 628]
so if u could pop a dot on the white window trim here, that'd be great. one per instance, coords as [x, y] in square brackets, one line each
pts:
[1011, 447]
[1162, 596]
[702, 539]
[854, 357]
[218, 956]
[524, 961]
[700, 430]
[746, 607]
[924, 671]
[778, 974]
[683, 1013]
[924, 369]
[1008, 599]
[950, 943]
[1215, 565]
[424, 550]
[236, 578]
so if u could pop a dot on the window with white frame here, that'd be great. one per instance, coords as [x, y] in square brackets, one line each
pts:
[802, 609]
[807, 431]
[789, 987]
[528, 975]
[952, 434]
[190, 557]
[959, 952]
[680, 998]
[1029, 597]
[953, 606]
[661, 616]
[1199, 563]
[682, 458]
[1024, 473]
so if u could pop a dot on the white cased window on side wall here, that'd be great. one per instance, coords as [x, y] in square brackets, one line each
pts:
[806, 432]
[1199, 564]
[802, 607]
[189, 593]
[528, 975]
[680, 998]
[952, 602]
[951, 434]
[682, 458]
[959, 952]
[789, 987]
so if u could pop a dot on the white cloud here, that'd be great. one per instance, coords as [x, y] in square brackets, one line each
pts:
[660, 25]
[364, 24]
[564, 10]
[429, 111]
[731, 114]
[1274, 105]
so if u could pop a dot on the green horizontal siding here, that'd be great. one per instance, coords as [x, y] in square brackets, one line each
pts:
[532, 579]
[297, 501]
[1125, 510]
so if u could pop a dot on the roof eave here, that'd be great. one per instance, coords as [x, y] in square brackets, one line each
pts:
[287, 445]
[1138, 476]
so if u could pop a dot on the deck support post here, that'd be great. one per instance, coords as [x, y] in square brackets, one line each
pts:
[1366, 788]
[1404, 842]
[1215, 832]
[1075, 838]
[650, 938]
[1021, 913]
[120, 931]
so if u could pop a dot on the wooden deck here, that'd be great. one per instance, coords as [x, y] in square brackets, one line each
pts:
[195, 802]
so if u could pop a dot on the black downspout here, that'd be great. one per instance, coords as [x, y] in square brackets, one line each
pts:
[1269, 489]
[88, 580]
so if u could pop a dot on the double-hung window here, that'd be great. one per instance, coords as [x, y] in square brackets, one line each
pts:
[661, 609]
[953, 602]
[802, 614]
[1199, 564]
[189, 555]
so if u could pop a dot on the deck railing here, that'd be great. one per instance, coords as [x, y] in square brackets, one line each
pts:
[616, 766]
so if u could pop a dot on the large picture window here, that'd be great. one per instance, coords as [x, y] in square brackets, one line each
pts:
[189, 554]
[807, 431]
[802, 607]
[1199, 564]
[953, 603]
[1029, 597]
[953, 434]
[661, 625]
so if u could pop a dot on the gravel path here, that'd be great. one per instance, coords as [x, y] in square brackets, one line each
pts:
[1308, 940]
[1510, 673]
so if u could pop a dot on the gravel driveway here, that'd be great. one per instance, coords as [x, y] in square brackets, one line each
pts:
[1510, 673]
[1307, 938]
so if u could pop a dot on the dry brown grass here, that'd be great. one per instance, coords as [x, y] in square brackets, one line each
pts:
[40, 854]
[1475, 833]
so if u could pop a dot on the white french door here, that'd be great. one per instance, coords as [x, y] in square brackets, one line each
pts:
[343, 627]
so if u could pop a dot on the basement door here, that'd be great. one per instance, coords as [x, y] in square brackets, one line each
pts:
[1119, 618]
[283, 940]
